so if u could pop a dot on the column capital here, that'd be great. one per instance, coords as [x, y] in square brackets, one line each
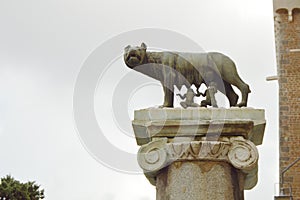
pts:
[200, 135]
[242, 154]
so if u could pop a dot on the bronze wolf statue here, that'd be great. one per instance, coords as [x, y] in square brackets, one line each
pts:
[178, 69]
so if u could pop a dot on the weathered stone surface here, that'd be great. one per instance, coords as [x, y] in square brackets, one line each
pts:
[196, 180]
[199, 153]
[240, 153]
[177, 122]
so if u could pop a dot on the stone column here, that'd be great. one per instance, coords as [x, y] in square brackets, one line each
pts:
[199, 153]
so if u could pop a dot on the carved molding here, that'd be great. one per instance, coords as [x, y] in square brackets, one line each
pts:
[288, 5]
[240, 153]
[243, 154]
[152, 157]
[198, 150]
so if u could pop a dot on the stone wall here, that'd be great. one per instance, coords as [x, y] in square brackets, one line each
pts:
[287, 35]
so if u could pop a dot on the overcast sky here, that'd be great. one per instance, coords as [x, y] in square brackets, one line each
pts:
[45, 44]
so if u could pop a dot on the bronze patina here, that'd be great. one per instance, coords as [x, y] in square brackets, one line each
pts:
[178, 69]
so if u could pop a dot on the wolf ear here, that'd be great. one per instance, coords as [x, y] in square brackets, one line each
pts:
[127, 47]
[143, 45]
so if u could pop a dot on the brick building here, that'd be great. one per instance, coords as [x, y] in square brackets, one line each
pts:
[287, 37]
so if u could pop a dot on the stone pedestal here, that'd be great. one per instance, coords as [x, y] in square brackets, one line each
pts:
[199, 153]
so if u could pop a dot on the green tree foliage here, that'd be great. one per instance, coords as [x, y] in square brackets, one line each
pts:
[11, 189]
